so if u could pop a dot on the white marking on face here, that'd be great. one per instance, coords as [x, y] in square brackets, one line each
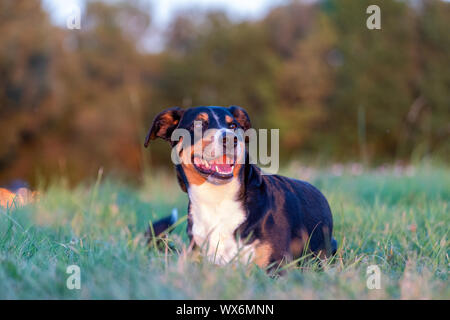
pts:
[216, 214]
[215, 117]
[230, 148]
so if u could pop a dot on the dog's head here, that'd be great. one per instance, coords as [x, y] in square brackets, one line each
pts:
[208, 140]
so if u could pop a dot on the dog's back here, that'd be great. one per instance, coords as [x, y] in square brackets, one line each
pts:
[296, 214]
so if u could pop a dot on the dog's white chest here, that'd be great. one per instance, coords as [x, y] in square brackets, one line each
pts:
[216, 214]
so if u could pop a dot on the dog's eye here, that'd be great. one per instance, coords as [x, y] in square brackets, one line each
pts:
[232, 126]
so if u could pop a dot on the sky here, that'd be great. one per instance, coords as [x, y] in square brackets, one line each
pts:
[164, 10]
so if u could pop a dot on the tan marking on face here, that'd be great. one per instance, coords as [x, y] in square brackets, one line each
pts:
[192, 175]
[229, 119]
[202, 116]
[263, 252]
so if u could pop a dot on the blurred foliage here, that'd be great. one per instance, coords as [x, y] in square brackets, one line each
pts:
[72, 101]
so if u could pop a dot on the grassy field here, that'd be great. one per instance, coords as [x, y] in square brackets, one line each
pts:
[395, 218]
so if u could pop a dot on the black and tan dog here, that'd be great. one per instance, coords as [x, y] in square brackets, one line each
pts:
[236, 212]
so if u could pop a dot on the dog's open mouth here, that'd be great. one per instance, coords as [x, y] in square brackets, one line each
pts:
[221, 167]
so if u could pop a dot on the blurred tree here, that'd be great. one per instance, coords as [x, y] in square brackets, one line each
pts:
[305, 83]
[288, 24]
[26, 52]
[429, 116]
[103, 118]
[72, 101]
[225, 64]
[373, 80]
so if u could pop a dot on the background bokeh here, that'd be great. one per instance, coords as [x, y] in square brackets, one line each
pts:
[72, 101]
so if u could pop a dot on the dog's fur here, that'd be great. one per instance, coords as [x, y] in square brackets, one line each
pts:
[245, 215]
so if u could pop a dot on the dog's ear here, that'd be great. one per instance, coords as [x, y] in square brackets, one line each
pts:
[241, 117]
[164, 124]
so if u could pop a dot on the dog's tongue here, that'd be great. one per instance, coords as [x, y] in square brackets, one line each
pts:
[219, 165]
[223, 168]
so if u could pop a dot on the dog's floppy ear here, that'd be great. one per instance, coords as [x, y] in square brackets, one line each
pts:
[241, 117]
[164, 124]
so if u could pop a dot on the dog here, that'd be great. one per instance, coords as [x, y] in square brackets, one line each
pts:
[235, 211]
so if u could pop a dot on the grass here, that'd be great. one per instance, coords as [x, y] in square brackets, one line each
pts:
[395, 219]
